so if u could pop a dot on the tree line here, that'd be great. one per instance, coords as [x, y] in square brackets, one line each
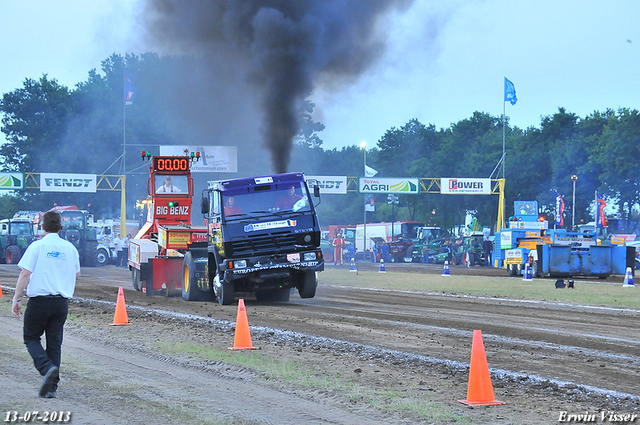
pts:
[53, 128]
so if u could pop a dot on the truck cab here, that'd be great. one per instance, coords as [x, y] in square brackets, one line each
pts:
[263, 239]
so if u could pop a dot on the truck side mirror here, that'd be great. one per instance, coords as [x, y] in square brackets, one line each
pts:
[204, 205]
[316, 191]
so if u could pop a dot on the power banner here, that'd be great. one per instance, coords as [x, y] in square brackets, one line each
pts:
[216, 159]
[329, 184]
[11, 181]
[63, 182]
[465, 186]
[404, 186]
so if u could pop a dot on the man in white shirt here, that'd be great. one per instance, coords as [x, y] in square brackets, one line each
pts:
[50, 267]
[119, 244]
[168, 187]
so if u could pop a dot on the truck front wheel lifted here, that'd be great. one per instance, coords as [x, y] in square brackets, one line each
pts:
[307, 288]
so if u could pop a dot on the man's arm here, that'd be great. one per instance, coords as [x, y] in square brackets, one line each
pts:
[21, 285]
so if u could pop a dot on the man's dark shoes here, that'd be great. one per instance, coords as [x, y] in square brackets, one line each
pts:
[49, 380]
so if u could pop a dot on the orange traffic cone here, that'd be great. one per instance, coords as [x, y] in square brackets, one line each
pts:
[242, 339]
[120, 318]
[480, 390]
[0, 291]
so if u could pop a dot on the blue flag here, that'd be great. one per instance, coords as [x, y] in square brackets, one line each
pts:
[129, 87]
[509, 92]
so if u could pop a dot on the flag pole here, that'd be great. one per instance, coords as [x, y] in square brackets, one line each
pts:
[123, 178]
[504, 134]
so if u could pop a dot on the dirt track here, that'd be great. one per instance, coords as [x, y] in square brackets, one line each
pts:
[545, 358]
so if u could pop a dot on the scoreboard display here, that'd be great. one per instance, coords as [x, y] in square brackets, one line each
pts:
[171, 164]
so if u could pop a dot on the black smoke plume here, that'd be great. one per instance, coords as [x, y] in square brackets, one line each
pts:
[284, 48]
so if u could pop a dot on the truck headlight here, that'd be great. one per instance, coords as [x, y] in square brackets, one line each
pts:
[309, 256]
[240, 264]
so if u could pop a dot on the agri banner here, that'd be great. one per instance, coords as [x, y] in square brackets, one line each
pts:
[404, 186]
[329, 184]
[465, 186]
[218, 159]
[11, 181]
[62, 182]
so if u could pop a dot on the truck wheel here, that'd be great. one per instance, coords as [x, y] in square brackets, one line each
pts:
[328, 256]
[227, 294]
[102, 257]
[90, 254]
[512, 269]
[135, 279]
[224, 291]
[13, 254]
[307, 288]
[190, 290]
[534, 269]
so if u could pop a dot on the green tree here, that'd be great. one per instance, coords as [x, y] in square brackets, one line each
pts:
[34, 123]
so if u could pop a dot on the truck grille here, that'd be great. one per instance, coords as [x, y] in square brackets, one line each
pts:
[262, 244]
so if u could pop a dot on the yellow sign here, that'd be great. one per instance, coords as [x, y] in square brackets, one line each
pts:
[179, 238]
[617, 240]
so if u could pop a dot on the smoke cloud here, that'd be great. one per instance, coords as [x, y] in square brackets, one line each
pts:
[280, 48]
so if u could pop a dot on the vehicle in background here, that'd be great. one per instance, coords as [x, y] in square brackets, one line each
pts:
[157, 251]
[398, 235]
[15, 236]
[348, 233]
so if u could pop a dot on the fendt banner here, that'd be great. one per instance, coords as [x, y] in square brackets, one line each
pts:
[455, 186]
[404, 186]
[329, 184]
[217, 159]
[11, 181]
[65, 182]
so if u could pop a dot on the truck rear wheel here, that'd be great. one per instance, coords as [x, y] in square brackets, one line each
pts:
[190, 290]
[307, 288]
[135, 279]
[512, 269]
[13, 254]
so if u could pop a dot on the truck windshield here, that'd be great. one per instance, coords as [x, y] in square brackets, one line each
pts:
[20, 228]
[262, 200]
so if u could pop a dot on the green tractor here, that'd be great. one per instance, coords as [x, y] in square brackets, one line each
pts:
[15, 237]
[77, 230]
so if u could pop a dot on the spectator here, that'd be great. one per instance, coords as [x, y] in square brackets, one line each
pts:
[425, 253]
[125, 250]
[352, 251]
[487, 246]
[338, 244]
[119, 244]
[385, 251]
[374, 258]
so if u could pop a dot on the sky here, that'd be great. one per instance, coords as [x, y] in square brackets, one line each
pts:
[443, 61]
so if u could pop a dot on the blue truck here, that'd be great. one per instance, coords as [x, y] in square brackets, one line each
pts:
[263, 239]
